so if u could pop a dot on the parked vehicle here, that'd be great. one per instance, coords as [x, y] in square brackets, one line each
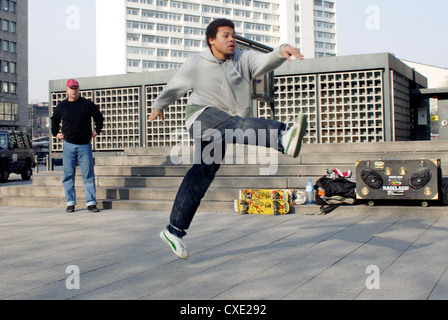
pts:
[16, 155]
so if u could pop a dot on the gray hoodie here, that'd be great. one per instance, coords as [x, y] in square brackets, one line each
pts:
[222, 84]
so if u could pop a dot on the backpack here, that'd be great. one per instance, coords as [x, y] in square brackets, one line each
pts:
[333, 192]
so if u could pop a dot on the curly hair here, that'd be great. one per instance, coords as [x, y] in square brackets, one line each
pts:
[212, 28]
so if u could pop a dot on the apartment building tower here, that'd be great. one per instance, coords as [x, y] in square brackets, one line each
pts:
[150, 35]
[13, 63]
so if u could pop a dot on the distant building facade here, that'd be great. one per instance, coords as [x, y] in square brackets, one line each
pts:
[14, 63]
[149, 35]
[39, 120]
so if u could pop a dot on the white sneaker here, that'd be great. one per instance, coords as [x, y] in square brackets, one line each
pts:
[175, 243]
[292, 139]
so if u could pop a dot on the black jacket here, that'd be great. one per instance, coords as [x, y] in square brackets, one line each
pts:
[76, 118]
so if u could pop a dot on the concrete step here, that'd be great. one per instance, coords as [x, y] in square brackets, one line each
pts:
[112, 193]
[240, 182]
[412, 146]
[254, 158]
[348, 158]
[158, 205]
[314, 170]
[147, 179]
[136, 205]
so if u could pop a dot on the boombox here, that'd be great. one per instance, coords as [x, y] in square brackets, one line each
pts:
[398, 180]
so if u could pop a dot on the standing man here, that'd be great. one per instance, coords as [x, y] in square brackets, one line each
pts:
[76, 114]
[221, 79]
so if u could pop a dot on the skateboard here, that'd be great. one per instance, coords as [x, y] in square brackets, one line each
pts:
[261, 206]
[273, 194]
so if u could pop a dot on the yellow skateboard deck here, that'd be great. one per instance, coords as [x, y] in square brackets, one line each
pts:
[261, 206]
[273, 194]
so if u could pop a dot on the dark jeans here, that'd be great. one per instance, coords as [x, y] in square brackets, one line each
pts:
[224, 129]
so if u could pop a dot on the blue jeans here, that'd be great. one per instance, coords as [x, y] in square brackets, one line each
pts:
[81, 154]
[199, 178]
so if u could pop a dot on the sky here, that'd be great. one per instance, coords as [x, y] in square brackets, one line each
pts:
[62, 35]
[61, 43]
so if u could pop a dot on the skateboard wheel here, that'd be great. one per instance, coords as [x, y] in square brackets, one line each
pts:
[245, 209]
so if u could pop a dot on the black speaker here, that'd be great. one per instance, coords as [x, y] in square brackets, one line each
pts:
[398, 179]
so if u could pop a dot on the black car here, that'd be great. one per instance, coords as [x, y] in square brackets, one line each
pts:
[16, 155]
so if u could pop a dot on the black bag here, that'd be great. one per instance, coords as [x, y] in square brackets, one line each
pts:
[332, 193]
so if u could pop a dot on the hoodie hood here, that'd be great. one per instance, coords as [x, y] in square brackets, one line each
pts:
[208, 55]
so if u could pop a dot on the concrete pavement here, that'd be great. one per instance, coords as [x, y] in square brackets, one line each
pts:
[46, 254]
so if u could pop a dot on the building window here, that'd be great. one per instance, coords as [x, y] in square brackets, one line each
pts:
[5, 5]
[190, 18]
[329, 5]
[133, 37]
[176, 41]
[133, 63]
[5, 25]
[194, 31]
[162, 52]
[5, 87]
[8, 111]
[162, 3]
[192, 43]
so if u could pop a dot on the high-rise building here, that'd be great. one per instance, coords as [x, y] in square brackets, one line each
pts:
[13, 63]
[149, 35]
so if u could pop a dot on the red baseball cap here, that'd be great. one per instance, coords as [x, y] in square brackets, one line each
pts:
[72, 83]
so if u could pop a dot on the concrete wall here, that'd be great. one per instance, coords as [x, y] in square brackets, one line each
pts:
[364, 98]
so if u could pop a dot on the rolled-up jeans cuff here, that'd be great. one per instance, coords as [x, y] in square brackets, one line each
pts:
[176, 231]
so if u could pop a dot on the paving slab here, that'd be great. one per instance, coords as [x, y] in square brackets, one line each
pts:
[47, 254]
